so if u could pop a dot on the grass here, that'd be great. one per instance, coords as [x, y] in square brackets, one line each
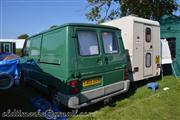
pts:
[140, 104]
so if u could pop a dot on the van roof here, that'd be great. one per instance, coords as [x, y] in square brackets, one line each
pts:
[76, 24]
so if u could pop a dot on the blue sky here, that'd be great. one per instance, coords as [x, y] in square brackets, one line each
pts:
[32, 16]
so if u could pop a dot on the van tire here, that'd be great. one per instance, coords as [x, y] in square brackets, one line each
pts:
[53, 95]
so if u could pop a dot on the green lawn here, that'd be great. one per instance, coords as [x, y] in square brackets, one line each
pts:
[140, 104]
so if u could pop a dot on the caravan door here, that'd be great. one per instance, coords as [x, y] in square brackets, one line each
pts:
[148, 51]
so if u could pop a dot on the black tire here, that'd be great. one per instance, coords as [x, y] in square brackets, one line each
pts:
[6, 81]
[52, 96]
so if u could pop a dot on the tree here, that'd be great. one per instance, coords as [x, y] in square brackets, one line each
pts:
[102, 10]
[23, 36]
[53, 26]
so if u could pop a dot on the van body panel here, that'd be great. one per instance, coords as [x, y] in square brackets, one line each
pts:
[109, 68]
[93, 96]
[91, 55]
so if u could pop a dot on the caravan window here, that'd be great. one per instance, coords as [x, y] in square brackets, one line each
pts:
[148, 34]
[109, 42]
[88, 43]
[148, 59]
[172, 46]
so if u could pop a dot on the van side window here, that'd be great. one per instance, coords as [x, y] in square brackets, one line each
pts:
[109, 42]
[88, 43]
[52, 42]
[35, 46]
[148, 34]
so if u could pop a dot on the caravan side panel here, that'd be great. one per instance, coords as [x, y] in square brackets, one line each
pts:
[137, 61]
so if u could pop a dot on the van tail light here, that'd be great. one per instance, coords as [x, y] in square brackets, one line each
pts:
[126, 74]
[73, 86]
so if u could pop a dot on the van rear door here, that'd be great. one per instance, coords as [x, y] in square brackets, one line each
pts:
[113, 55]
[100, 58]
[89, 56]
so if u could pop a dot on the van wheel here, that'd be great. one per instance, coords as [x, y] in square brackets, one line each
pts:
[54, 99]
[53, 96]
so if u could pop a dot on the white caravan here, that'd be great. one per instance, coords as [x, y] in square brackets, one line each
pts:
[141, 39]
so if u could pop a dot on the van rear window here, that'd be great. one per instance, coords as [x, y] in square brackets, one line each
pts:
[88, 43]
[109, 42]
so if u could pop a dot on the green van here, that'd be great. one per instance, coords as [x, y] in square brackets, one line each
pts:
[79, 64]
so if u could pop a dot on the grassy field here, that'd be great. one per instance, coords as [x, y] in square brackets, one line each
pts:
[140, 104]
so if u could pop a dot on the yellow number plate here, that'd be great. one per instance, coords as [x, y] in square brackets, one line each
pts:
[90, 82]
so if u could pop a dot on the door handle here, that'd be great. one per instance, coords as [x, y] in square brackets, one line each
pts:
[106, 60]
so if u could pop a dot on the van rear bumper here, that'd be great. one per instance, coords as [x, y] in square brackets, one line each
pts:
[93, 96]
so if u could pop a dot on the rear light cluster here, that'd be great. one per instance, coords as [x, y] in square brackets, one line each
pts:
[73, 86]
[126, 74]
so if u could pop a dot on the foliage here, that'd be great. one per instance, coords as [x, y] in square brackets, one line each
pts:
[53, 26]
[101, 10]
[23, 36]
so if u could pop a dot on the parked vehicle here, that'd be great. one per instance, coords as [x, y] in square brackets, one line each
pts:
[80, 64]
[141, 39]
[11, 45]
[7, 47]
